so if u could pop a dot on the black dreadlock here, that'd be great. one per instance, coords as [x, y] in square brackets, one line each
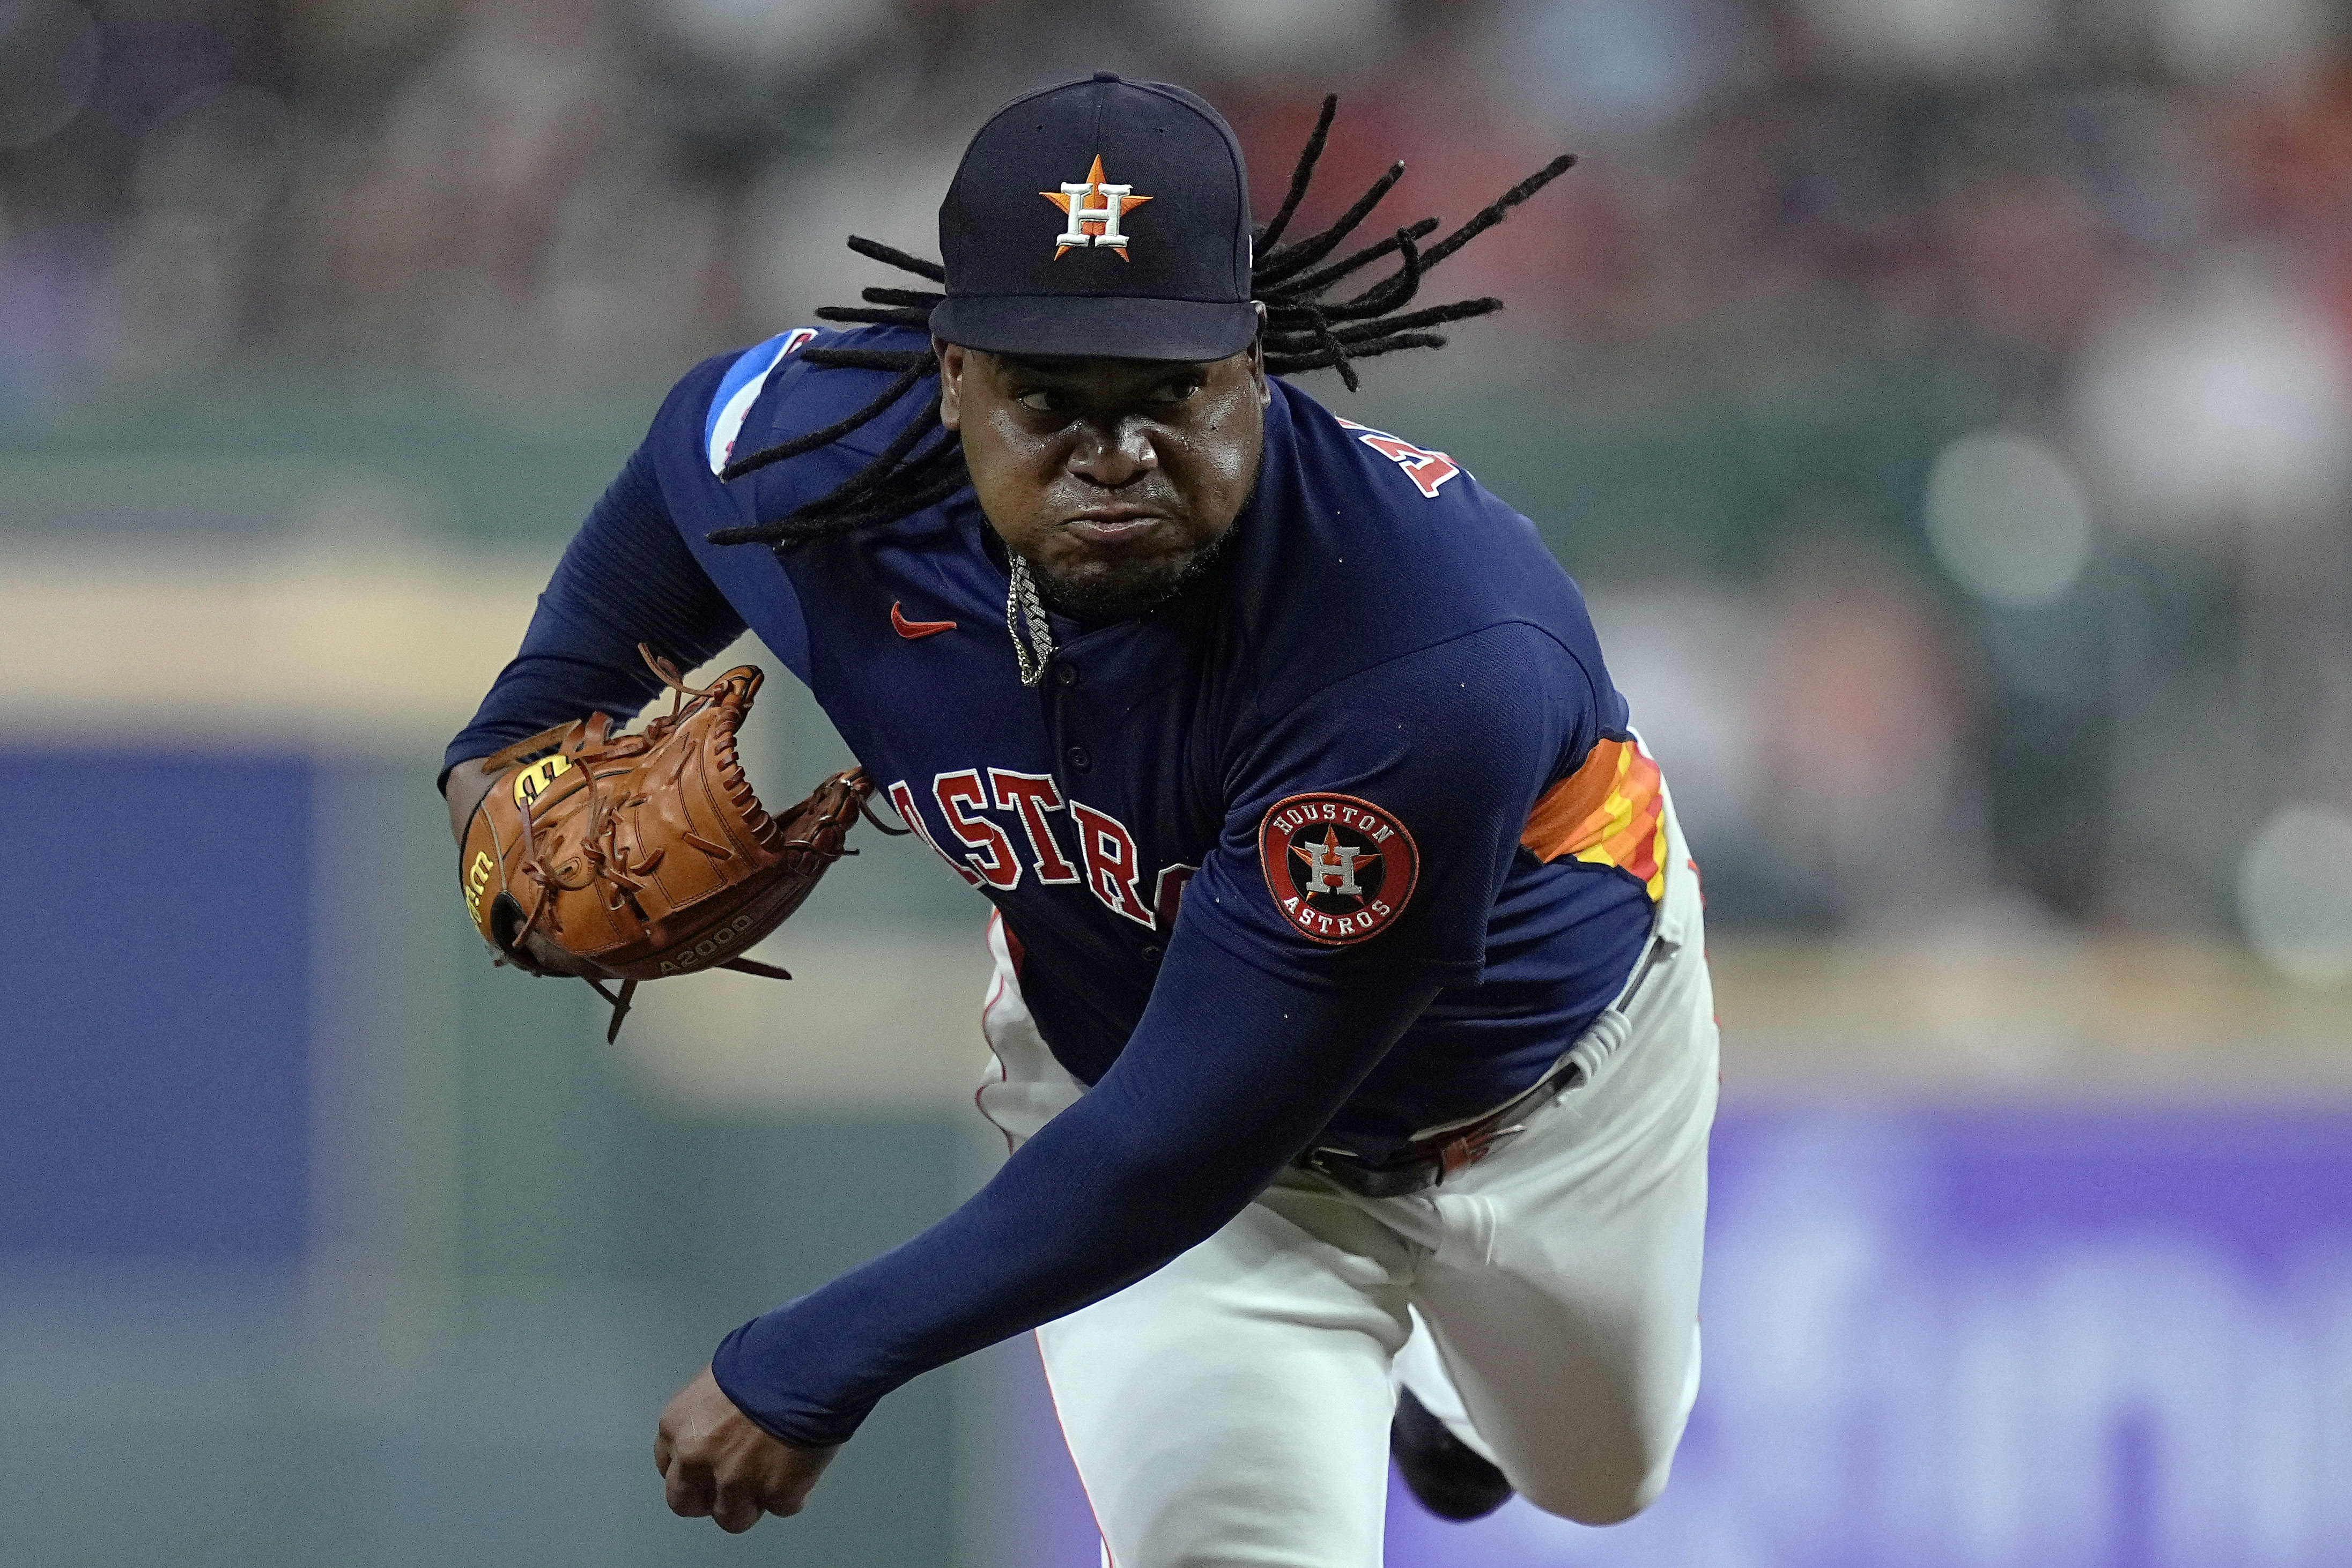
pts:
[1304, 331]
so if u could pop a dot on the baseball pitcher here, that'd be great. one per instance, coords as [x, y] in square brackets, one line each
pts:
[1353, 1042]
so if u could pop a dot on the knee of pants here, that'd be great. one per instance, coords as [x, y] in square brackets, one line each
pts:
[1600, 1494]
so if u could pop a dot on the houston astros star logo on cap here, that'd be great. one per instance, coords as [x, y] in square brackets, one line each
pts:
[1094, 210]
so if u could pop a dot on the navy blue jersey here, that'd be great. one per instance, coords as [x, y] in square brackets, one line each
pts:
[1350, 838]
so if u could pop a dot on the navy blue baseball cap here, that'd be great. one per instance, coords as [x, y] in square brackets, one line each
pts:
[1102, 218]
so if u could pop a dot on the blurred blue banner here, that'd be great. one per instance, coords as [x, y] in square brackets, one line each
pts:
[155, 1103]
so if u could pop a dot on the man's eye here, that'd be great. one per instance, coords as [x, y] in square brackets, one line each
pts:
[1176, 391]
[1036, 402]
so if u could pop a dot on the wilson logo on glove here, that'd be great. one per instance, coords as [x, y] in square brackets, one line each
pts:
[535, 779]
[645, 855]
[1340, 868]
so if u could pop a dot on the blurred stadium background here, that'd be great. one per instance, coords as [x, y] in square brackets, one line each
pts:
[1947, 405]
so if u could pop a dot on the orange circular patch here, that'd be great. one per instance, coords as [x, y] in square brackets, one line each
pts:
[1341, 870]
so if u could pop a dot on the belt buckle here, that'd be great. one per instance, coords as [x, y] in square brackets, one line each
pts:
[1372, 1181]
[1461, 1153]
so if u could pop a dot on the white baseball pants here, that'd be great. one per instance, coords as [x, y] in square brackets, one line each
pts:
[1232, 1409]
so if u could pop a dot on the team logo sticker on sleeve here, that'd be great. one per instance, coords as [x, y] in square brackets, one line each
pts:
[1340, 868]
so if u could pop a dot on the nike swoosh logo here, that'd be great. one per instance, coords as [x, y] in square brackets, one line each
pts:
[911, 630]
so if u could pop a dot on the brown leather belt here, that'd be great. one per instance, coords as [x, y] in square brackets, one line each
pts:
[1412, 1172]
[1420, 1165]
[1424, 1163]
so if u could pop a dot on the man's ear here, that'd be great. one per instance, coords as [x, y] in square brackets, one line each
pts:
[952, 363]
[1258, 357]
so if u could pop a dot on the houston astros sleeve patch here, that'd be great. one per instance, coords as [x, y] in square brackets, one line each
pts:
[1340, 868]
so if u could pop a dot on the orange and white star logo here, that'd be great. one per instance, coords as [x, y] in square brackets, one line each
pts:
[1094, 210]
[1332, 864]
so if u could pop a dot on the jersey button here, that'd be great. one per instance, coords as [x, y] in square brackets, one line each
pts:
[1151, 952]
[1065, 674]
[1079, 758]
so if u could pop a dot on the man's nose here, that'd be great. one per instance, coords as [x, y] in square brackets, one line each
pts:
[1114, 455]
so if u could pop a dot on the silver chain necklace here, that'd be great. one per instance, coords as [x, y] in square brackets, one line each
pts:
[1022, 604]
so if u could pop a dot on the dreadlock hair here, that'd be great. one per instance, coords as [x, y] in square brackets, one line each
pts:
[1305, 330]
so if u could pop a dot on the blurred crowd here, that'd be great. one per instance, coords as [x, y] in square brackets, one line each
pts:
[2079, 271]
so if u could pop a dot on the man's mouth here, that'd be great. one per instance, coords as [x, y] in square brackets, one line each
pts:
[1112, 524]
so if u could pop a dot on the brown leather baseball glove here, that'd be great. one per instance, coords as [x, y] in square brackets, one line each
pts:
[641, 855]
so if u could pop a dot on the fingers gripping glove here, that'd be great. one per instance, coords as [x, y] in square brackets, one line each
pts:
[640, 856]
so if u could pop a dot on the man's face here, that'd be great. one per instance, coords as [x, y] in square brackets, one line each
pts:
[1111, 476]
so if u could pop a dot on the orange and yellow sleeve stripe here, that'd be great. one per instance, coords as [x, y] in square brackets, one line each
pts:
[1610, 811]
